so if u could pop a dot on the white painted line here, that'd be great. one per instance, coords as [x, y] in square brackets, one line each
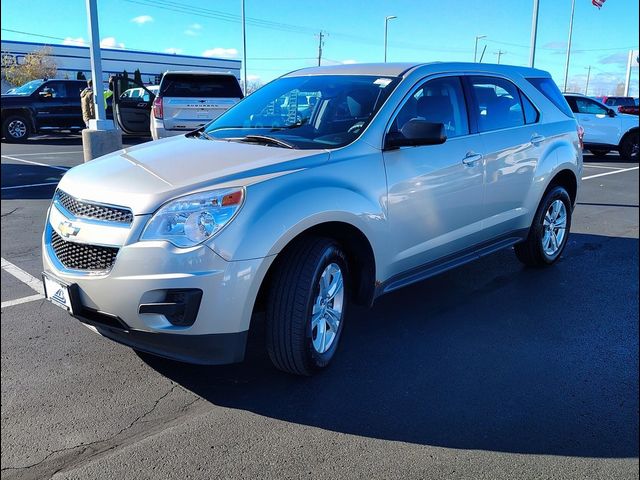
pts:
[49, 153]
[35, 163]
[604, 166]
[610, 173]
[28, 186]
[18, 301]
[24, 277]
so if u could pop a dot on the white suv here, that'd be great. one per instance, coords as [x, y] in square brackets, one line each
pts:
[188, 100]
[392, 174]
[604, 129]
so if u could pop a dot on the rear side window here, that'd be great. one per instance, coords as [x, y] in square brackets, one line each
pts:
[185, 85]
[497, 103]
[530, 113]
[549, 89]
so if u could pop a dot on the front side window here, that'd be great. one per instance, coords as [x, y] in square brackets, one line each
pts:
[54, 90]
[586, 105]
[438, 101]
[320, 111]
[497, 103]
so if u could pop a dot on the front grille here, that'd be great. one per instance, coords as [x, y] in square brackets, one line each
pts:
[92, 210]
[79, 256]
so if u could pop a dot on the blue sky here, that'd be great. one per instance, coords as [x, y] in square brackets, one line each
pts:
[282, 35]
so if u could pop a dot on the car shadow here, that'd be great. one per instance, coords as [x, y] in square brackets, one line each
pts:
[612, 157]
[491, 356]
[75, 139]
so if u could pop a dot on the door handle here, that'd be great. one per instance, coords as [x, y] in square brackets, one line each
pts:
[536, 139]
[471, 158]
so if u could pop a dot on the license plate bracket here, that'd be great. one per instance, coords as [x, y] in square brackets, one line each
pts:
[62, 294]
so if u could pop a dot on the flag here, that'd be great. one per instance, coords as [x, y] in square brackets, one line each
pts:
[598, 3]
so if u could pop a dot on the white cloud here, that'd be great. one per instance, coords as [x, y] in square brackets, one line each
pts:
[220, 52]
[110, 42]
[193, 30]
[253, 78]
[74, 41]
[349, 61]
[142, 19]
[173, 51]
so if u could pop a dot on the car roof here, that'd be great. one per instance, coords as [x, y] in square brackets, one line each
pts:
[401, 69]
[195, 72]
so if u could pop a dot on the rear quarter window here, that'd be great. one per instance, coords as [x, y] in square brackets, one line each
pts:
[549, 89]
[208, 86]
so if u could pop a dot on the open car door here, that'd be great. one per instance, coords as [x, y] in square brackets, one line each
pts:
[132, 103]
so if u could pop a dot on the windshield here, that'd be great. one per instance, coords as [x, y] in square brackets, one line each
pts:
[325, 111]
[27, 88]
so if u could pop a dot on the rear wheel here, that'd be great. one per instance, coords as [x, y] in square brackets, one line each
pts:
[549, 231]
[599, 152]
[306, 306]
[16, 128]
[629, 146]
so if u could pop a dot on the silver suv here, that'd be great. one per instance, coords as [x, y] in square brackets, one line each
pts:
[327, 186]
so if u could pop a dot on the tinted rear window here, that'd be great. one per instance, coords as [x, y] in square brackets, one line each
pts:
[549, 89]
[216, 86]
[616, 101]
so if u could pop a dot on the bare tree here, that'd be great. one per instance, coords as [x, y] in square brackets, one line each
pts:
[37, 64]
[252, 86]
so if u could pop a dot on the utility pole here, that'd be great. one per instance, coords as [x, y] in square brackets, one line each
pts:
[320, 44]
[534, 33]
[482, 54]
[566, 65]
[499, 53]
[586, 88]
[475, 48]
[627, 79]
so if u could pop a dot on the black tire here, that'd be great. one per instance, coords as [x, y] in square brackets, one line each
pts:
[290, 303]
[629, 146]
[531, 251]
[13, 124]
[599, 153]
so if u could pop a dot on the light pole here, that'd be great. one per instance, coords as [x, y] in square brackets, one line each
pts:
[475, 48]
[244, 51]
[386, 28]
[534, 33]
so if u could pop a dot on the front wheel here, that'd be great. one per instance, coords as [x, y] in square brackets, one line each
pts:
[549, 231]
[16, 129]
[306, 306]
[629, 146]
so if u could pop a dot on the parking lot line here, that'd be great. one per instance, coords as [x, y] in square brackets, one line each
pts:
[18, 301]
[23, 276]
[603, 166]
[48, 153]
[610, 173]
[35, 163]
[28, 186]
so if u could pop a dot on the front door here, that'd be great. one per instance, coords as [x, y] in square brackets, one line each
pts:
[132, 107]
[599, 126]
[434, 191]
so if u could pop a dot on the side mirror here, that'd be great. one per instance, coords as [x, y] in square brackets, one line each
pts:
[415, 133]
[611, 112]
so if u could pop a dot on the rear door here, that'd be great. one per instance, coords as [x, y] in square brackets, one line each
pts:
[513, 142]
[190, 101]
[132, 113]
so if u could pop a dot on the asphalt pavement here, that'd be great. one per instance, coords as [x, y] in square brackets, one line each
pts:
[489, 371]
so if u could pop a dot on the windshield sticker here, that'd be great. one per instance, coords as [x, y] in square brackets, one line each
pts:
[383, 82]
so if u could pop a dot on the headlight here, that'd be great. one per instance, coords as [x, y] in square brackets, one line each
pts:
[190, 220]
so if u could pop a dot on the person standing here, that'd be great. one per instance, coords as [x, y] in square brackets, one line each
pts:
[86, 100]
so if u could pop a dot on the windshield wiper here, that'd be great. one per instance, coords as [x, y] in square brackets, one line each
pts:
[267, 140]
[201, 134]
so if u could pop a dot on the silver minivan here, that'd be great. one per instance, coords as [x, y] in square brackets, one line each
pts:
[327, 187]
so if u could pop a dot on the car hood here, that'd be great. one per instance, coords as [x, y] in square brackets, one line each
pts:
[147, 175]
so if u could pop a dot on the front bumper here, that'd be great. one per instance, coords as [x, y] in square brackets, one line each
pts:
[142, 274]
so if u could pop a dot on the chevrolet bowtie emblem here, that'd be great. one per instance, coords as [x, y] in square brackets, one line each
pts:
[66, 229]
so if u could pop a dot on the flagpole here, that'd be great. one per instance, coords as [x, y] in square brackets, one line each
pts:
[534, 33]
[566, 65]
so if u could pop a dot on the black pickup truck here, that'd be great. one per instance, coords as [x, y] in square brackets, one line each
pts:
[42, 105]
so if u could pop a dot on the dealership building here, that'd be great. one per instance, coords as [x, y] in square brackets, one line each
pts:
[71, 60]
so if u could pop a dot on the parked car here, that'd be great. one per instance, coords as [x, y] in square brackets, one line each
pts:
[188, 100]
[621, 104]
[604, 129]
[42, 105]
[401, 171]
